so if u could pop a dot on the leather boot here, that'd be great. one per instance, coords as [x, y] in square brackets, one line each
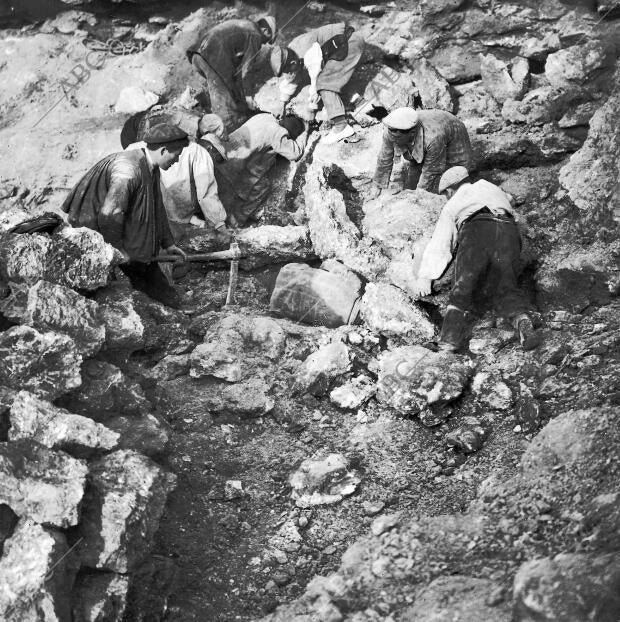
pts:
[453, 329]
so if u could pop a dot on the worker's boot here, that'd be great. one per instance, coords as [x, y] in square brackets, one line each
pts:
[453, 330]
[529, 338]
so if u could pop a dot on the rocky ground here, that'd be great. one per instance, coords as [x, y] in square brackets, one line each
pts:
[229, 463]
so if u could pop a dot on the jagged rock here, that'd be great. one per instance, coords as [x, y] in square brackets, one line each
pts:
[354, 393]
[269, 244]
[171, 366]
[24, 257]
[323, 481]
[503, 81]
[321, 368]
[527, 412]
[122, 507]
[12, 216]
[49, 307]
[124, 328]
[144, 434]
[68, 22]
[388, 310]
[134, 99]
[105, 392]
[491, 392]
[316, 297]
[469, 436]
[571, 586]
[540, 106]
[40, 484]
[56, 428]
[432, 87]
[391, 89]
[395, 222]
[410, 378]
[579, 115]
[48, 364]
[457, 64]
[100, 597]
[235, 346]
[459, 597]
[335, 267]
[478, 110]
[592, 175]
[36, 576]
[244, 399]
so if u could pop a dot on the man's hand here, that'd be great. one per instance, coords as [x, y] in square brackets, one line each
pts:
[175, 250]
[423, 287]
[375, 191]
[197, 222]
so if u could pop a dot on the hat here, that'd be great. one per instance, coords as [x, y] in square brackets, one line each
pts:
[211, 124]
[161, 129]
[270, 22]
[452, 176]
[402, 119]
[279, 56]
[217, 143]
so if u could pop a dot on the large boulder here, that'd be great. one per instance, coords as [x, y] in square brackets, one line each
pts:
[48, 364]
[123, 504]
[100, 597]
[41, 484]
[57, 428]
[542, 105]
[503, 81]
[46, 306]
[36, 576]
[124, 328]
[270, 244]
[321, 368]
[144, 434]
[411, 378]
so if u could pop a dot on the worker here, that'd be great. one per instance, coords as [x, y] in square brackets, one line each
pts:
[329, 55]
[224, 58]
[479, 222]
[431, 141]
[252, 151]
[120, 198]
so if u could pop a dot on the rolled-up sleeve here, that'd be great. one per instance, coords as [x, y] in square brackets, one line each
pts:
[288, 148]
[438, 254]
[206, 189]
[385, 162]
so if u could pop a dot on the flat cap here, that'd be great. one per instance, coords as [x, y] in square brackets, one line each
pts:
[211, 124]
[402, 119]
[162, 129]
[452, 176]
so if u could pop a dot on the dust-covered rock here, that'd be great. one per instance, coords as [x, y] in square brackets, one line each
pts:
[491, 392]
[270, 244]
[503, 81]
[124, 328]
[144, 434]
[354, 393]
[321, 368]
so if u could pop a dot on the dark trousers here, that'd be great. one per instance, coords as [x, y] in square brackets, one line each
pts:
[148, 278]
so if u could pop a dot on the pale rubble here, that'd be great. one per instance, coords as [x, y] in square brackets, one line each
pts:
[491, 392]
[43, 485]
[57, 428]
[46, 363]
[100, 597]
[124, 328]
[50, 307]
[354, 393]
[317, 373]
[250, 398]
[35, 575]
[124, 502]
[503, 81]
[270, 244]
[134, 99]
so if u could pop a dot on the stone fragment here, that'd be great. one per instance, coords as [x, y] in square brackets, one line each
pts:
[353, 393]
[578, 115]
[321, 368]
[410, 378]
[144, 434]
[235, 346]
[491, 392]
[12, 216]
[100, 597]
[542, 105]
[124, 328]
[467, 437]
[270, 244]
[250, 398]
[134, 99]
[323, 481]
[571, 586]
[68, 22]
[41, 484]
[385, 523]
[49, 307]
[122, 508]
[388, 310]
[57, 428]
[432, 87]
[23, 257]
[170, 367]
[527, 412]
[35, 576]
[47, 364]
[503, 81]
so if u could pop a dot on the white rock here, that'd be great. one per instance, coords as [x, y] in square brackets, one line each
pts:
[134, 99]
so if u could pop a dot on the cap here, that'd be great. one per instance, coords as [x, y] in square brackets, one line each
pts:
[452, 176]
[402, 119]
[211, 124]
[217, 143]
[162, 129]
[279, 56]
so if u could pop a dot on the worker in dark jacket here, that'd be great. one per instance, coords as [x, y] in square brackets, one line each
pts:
[328, 56]
[224, 58]
[478, 224]
[431, 141]
[120, 198]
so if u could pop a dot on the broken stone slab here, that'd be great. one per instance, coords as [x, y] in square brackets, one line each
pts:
[571, 586]
[411, 378]
[323, 481]
[122, 507]
[134, 99]
[250, 398]
[354, 393]
[270, 244]
[46, 363]
[171, 367]
[144, 434]
[579, 115]
[235, 346]
[491, 392]
[46, 486]
[57, 428]
[387, 310]
[100, 597]
[50, 307]
[320, 369]
[503, 81]
[336, 267]
[36, 575]
[317, 297]
[542, 105]
[124, 328]
[396, 222]
[105, 392]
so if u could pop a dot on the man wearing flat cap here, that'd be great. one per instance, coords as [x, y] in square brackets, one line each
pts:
[431, 141]
[224, 58]
[120, 198]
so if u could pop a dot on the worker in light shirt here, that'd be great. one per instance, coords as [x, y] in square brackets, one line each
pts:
[479, 223]
[329, 55]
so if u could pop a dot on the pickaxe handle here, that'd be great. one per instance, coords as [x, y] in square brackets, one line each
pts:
[233, 253]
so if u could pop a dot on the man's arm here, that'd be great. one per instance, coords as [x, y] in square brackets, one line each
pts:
[438, 253]
[206, 189]
[433, 166]
[112, 213]
[285, 146]
[385, 162]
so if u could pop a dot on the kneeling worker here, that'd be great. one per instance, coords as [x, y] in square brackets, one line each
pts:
[479, 219]
[432, 141]
[120, 198]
